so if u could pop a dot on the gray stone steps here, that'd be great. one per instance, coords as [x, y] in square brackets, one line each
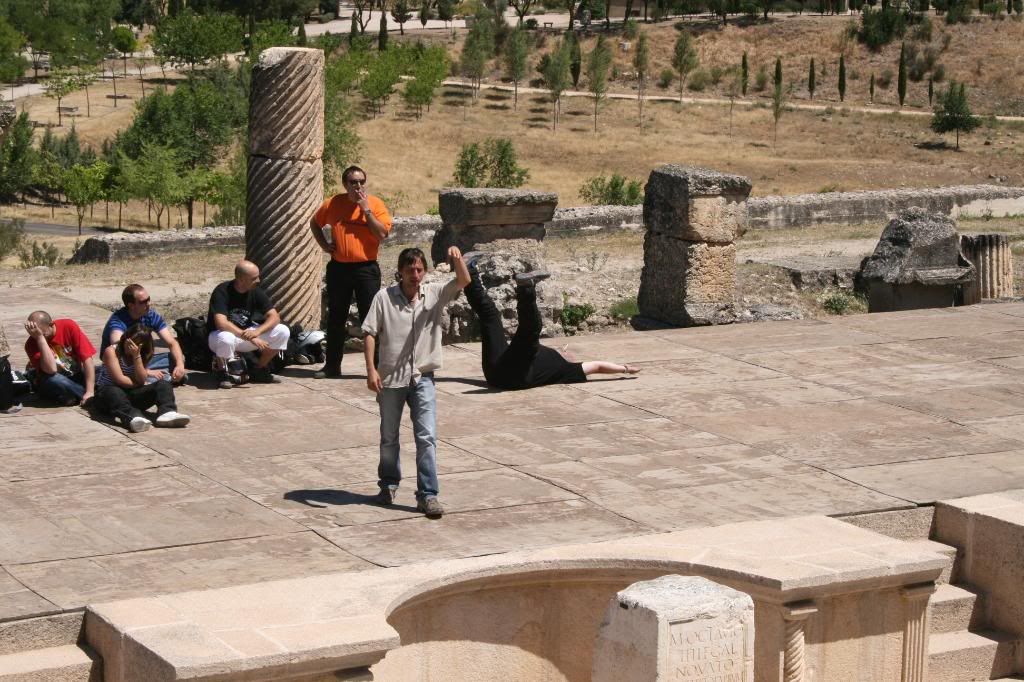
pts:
[954, 608]
[66, 663]
[41, 632]
[961, 656]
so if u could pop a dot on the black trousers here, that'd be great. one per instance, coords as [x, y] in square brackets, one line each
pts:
[522, 362]
[124, 404]
[6, 384]
[344, 280]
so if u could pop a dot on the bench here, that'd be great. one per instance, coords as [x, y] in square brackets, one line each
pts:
[549, 24]
[69, 110]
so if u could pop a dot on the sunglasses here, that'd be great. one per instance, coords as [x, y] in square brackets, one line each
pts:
[146, 302]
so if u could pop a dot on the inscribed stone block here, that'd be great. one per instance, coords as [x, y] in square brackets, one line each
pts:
[678, 274]
[684, 629]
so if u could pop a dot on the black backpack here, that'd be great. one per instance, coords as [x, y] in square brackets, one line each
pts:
[192, 337]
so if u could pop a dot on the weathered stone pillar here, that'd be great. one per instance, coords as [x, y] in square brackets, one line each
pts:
[795, 616]
[286, 144]
[676, 628]
[693, 217]
[993, 261]
[915, 632]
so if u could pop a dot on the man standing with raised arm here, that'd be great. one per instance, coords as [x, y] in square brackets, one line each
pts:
[405, 321]
[356, 223]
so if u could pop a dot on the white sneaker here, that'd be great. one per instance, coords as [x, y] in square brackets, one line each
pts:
[173, 419]
[138, 424]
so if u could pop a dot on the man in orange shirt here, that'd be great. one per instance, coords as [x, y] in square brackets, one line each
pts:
[358, 223]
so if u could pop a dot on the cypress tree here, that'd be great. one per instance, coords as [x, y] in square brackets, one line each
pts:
[810, 79]
[353, 29]
[382, 34]
[744, 74]
[931, 90]
[778, 73]
[871, 88]
[901, 78]
[575, 60]
[302, 40]
[842, 78]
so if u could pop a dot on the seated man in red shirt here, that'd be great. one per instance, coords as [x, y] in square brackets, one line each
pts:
[61, 358]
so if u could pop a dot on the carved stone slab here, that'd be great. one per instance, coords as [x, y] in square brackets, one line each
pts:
[464, 207]
[679, 629]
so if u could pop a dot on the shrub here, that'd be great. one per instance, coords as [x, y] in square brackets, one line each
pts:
[433, 210]
[923, 30]
[995, 9]
[631, 29]
[665, 78]
[613, 191]
[12, 232]
[880, 27]
[840, 302]
[939, 73]
[37, 254]
[884, 79]
[761, 78]
[717, 72]
[958, 12]
[574, 314]
[530, 24]
[698, 80]
[624, 309]
[325, 17]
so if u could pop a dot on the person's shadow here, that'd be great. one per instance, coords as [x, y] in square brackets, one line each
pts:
[322, 498]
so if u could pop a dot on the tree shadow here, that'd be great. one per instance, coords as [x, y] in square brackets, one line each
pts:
[321, 499]
[497, 107]
[933, 146]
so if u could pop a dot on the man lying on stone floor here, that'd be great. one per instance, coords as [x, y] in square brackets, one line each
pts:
[523, 362]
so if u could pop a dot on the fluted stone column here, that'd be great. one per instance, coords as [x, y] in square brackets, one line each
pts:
[286, 145]
[693, 217]
[915, 631]
[993, 261]
[795, 616]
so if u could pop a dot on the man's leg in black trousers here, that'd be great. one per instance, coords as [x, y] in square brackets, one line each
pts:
[339, 299]
[158, 393]
[530, 325]
[492, 332]
[366, 284]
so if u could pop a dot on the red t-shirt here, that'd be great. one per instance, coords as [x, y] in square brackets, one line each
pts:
[70, 346]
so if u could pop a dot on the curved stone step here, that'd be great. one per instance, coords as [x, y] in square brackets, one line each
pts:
[960, 656]
[67, 663]
[954, 608]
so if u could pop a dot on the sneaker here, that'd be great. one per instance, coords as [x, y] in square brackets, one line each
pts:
[172, 420]
[327, 374]
[431, 507]
[225, 382]
[138, 424]
[386, 496]
[470, 258]
[262, 375]
[527, 279]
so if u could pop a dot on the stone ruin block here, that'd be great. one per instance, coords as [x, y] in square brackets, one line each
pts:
[699, 297]
[686, 629]
[692, 216]
[993, 260]
[472, 217]
[917, 263]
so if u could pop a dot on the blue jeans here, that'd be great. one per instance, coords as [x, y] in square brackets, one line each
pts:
[422, 401]
[163, 362]
[60, 388]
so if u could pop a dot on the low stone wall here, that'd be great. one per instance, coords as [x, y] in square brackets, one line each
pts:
[763, 213]
[881, 206]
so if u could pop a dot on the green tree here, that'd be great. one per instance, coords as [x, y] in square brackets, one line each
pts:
[642, 64]
[155, 178]
[192, 40]
[684, 59]
[380, 80]
[744, 75]
[599, 62]
[777, 80]
[12, 64]
[83, 186]
[428, 74]
[613, 191]
[556, 77]
[901, 78]
[842, 78]
[123, 40]
[953, 113]
[478, 49]
[61, 84]
[446, 11]
[931, 90]
[810, 79]
[401, 13]
[382, 32]
[517, 49]
[491, 164]
[301, 39]
[778, 102]
[522, 8]
[17, 158]
[871, 88]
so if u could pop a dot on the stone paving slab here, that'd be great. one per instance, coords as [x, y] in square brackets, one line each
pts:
[725, 424]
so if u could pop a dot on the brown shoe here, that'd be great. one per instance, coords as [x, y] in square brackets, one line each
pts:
[431, 507]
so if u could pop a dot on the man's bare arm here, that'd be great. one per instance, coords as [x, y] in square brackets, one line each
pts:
[372, 377]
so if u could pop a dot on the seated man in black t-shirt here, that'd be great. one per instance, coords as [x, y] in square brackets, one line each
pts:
[242, 318]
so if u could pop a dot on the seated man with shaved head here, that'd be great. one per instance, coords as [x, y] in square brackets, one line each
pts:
[243, 319]
[61, 359]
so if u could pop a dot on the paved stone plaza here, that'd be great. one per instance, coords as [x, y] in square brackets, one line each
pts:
[725, 424]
